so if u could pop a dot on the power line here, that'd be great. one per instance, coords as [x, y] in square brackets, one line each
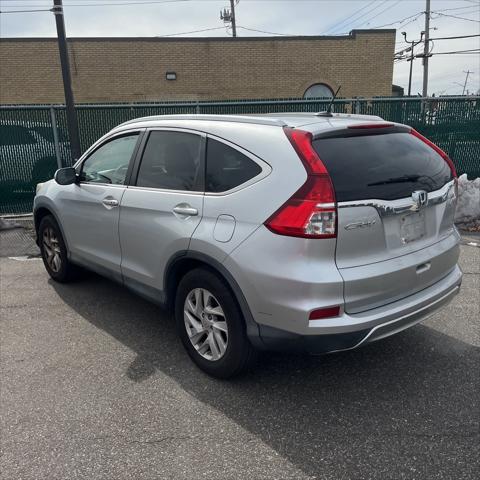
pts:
[402, 20]
[264, 31]
[334, 27]
[455, 38]
[363, 15]
[456, 8]
[402, 24]
[112, 4]
[459, 18]
[471, 51]
[191, 31]
[379, 13]
[26, 11]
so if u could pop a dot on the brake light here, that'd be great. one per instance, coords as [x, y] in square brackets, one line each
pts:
[371, 125]
[311, 211]
[437, 149]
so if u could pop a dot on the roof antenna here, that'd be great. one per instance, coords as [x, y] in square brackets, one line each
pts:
[328, 112]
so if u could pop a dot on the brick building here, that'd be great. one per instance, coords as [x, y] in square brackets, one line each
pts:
[153, 69]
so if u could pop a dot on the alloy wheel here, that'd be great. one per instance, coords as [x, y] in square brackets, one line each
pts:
[51, 248]
[205, 324]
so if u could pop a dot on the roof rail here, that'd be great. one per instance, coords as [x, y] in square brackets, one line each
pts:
[321, 114]
[212, 118]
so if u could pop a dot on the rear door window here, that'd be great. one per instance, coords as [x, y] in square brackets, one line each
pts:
[227, 168]
[384, 166]
[171, 160]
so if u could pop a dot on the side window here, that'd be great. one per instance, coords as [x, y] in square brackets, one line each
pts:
[227, 168]
[109, 163]
[171, 160]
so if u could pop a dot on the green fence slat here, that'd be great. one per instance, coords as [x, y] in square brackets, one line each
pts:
[28, 153]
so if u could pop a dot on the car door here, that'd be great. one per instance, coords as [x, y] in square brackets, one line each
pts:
[89, 209]
[162, 207]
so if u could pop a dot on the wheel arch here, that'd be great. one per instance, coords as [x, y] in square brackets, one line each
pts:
[42, 211]
[185, 261]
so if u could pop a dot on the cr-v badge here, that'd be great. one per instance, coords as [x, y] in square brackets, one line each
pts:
[368, 222]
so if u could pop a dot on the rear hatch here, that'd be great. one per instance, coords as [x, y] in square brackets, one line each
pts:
[396, 203]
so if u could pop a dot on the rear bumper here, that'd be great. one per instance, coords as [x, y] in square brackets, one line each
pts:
[351, 331]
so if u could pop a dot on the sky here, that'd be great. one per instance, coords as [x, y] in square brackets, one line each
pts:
[119, 18]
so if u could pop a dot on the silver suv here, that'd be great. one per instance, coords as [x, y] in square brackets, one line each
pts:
[307, 232]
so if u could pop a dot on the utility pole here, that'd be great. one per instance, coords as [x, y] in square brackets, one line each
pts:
[413, 44]
[426, 49]
[228, 16]
[72, 123]
[468, 72]
[234, 24]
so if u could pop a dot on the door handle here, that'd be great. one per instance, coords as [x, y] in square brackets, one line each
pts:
[186, 210]
[110, 202]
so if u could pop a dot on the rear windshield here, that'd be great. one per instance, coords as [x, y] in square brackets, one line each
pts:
[387, 166]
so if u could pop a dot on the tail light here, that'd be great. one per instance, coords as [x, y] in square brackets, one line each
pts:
[437, 149]
[311, 212]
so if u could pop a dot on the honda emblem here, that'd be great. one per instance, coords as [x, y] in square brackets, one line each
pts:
[420, 199]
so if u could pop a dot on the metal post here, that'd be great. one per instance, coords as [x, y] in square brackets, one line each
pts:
[357, 106]
[413, 44]
[72, 122]
[56, 140]
[468, 72]
[411, 71]
[426, 49]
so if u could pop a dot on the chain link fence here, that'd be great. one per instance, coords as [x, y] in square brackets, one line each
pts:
[34, 138]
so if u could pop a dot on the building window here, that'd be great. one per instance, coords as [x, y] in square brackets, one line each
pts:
[318, 90]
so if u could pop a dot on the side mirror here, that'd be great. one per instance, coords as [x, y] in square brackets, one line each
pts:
[66, 176]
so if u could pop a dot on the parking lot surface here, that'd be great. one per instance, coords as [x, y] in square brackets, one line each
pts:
[95, 385]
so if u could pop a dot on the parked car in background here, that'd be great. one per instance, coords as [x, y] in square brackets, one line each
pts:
[28, 155]
[307, 232]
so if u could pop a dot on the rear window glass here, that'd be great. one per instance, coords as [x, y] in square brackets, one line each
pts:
[388, 166]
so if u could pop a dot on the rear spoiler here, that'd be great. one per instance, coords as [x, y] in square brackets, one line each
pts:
[358, 129]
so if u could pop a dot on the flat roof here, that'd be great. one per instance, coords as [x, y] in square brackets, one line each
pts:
[350, 36]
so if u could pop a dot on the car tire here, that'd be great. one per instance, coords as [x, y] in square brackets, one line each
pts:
[54, 251]
[238, 354]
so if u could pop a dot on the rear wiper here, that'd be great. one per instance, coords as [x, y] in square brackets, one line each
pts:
[402, 179]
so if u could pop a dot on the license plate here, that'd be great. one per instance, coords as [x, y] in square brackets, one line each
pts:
[412, 227]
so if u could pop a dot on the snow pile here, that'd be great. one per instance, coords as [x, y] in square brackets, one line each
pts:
[468, 206]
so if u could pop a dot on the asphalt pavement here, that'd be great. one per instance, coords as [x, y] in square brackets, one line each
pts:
[95, 385]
